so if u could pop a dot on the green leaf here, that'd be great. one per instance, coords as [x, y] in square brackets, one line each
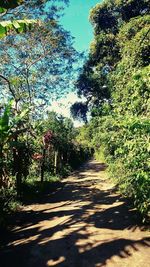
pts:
[5, 23]
[2, 10]
[2, 31]
[19, 26]
[16, 24]
[24, 113]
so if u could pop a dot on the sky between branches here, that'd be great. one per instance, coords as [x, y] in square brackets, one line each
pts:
[76, 21]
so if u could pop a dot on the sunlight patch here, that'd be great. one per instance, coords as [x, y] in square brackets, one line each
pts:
[54, 262]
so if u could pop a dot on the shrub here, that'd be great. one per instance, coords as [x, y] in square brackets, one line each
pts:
[126, 149]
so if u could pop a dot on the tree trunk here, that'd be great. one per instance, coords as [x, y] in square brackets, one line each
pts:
[17, 165]
[1, 166]
[18, 183]
[43, 165]
[55, 162]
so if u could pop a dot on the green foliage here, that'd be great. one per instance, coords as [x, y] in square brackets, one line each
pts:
[8, 26]
[124, 143]
[120, 49]
[39, 64]
[8, 204]
[118, 65]
[104, 49]
[4, 124]
[34, 65]
[20, 26]
[70, 151]
[79, 110]
[110, 14]
[31, 188]
[2, 10]
[10, 4]
[133, 93]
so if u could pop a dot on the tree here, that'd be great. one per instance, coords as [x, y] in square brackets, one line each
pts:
[110, 19]
[79, 111]
[38, 64]
[60, 150]
[9, 26]
[129, 79]
[5, 127]
[45, 51]
[115, 76]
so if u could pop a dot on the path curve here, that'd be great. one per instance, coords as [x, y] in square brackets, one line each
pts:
[84, 224]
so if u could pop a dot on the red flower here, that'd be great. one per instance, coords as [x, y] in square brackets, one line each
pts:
[48, 136]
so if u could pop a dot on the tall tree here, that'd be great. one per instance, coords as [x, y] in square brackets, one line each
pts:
[38, 64]
[119, 26]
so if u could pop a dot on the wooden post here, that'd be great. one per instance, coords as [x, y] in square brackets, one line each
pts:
[43, 165]
[55, 162]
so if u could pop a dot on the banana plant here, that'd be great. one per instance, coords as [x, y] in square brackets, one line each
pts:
[10, 129]
[9, 26]
[4, 133]
[19, 26]
[4, 125]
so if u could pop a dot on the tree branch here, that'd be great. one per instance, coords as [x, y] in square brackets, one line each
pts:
[9, 86]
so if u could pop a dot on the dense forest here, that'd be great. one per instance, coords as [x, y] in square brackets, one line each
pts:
[38, 62]
[115, 82]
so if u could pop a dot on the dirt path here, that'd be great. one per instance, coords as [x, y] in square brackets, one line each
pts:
[84, 224]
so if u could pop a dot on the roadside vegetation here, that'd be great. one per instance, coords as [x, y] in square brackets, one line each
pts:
[37, 147]
[39, 64]
[115, 82]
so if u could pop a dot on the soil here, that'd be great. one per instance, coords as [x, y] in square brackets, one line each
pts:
[84, 223]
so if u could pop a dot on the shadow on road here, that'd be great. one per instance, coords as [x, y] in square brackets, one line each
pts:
[67, 216]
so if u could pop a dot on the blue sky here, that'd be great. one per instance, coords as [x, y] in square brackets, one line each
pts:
[76, 21]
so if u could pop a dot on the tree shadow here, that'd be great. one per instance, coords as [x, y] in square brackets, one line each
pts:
[64, 252]
[66, 243]
[92, 166]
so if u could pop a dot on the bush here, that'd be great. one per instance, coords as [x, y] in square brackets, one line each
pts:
[126, 149]
[32, 188]
[8, 204]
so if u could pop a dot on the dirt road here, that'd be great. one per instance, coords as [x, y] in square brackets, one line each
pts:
[84, 224]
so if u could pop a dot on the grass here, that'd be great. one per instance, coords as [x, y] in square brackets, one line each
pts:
[33, 189]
